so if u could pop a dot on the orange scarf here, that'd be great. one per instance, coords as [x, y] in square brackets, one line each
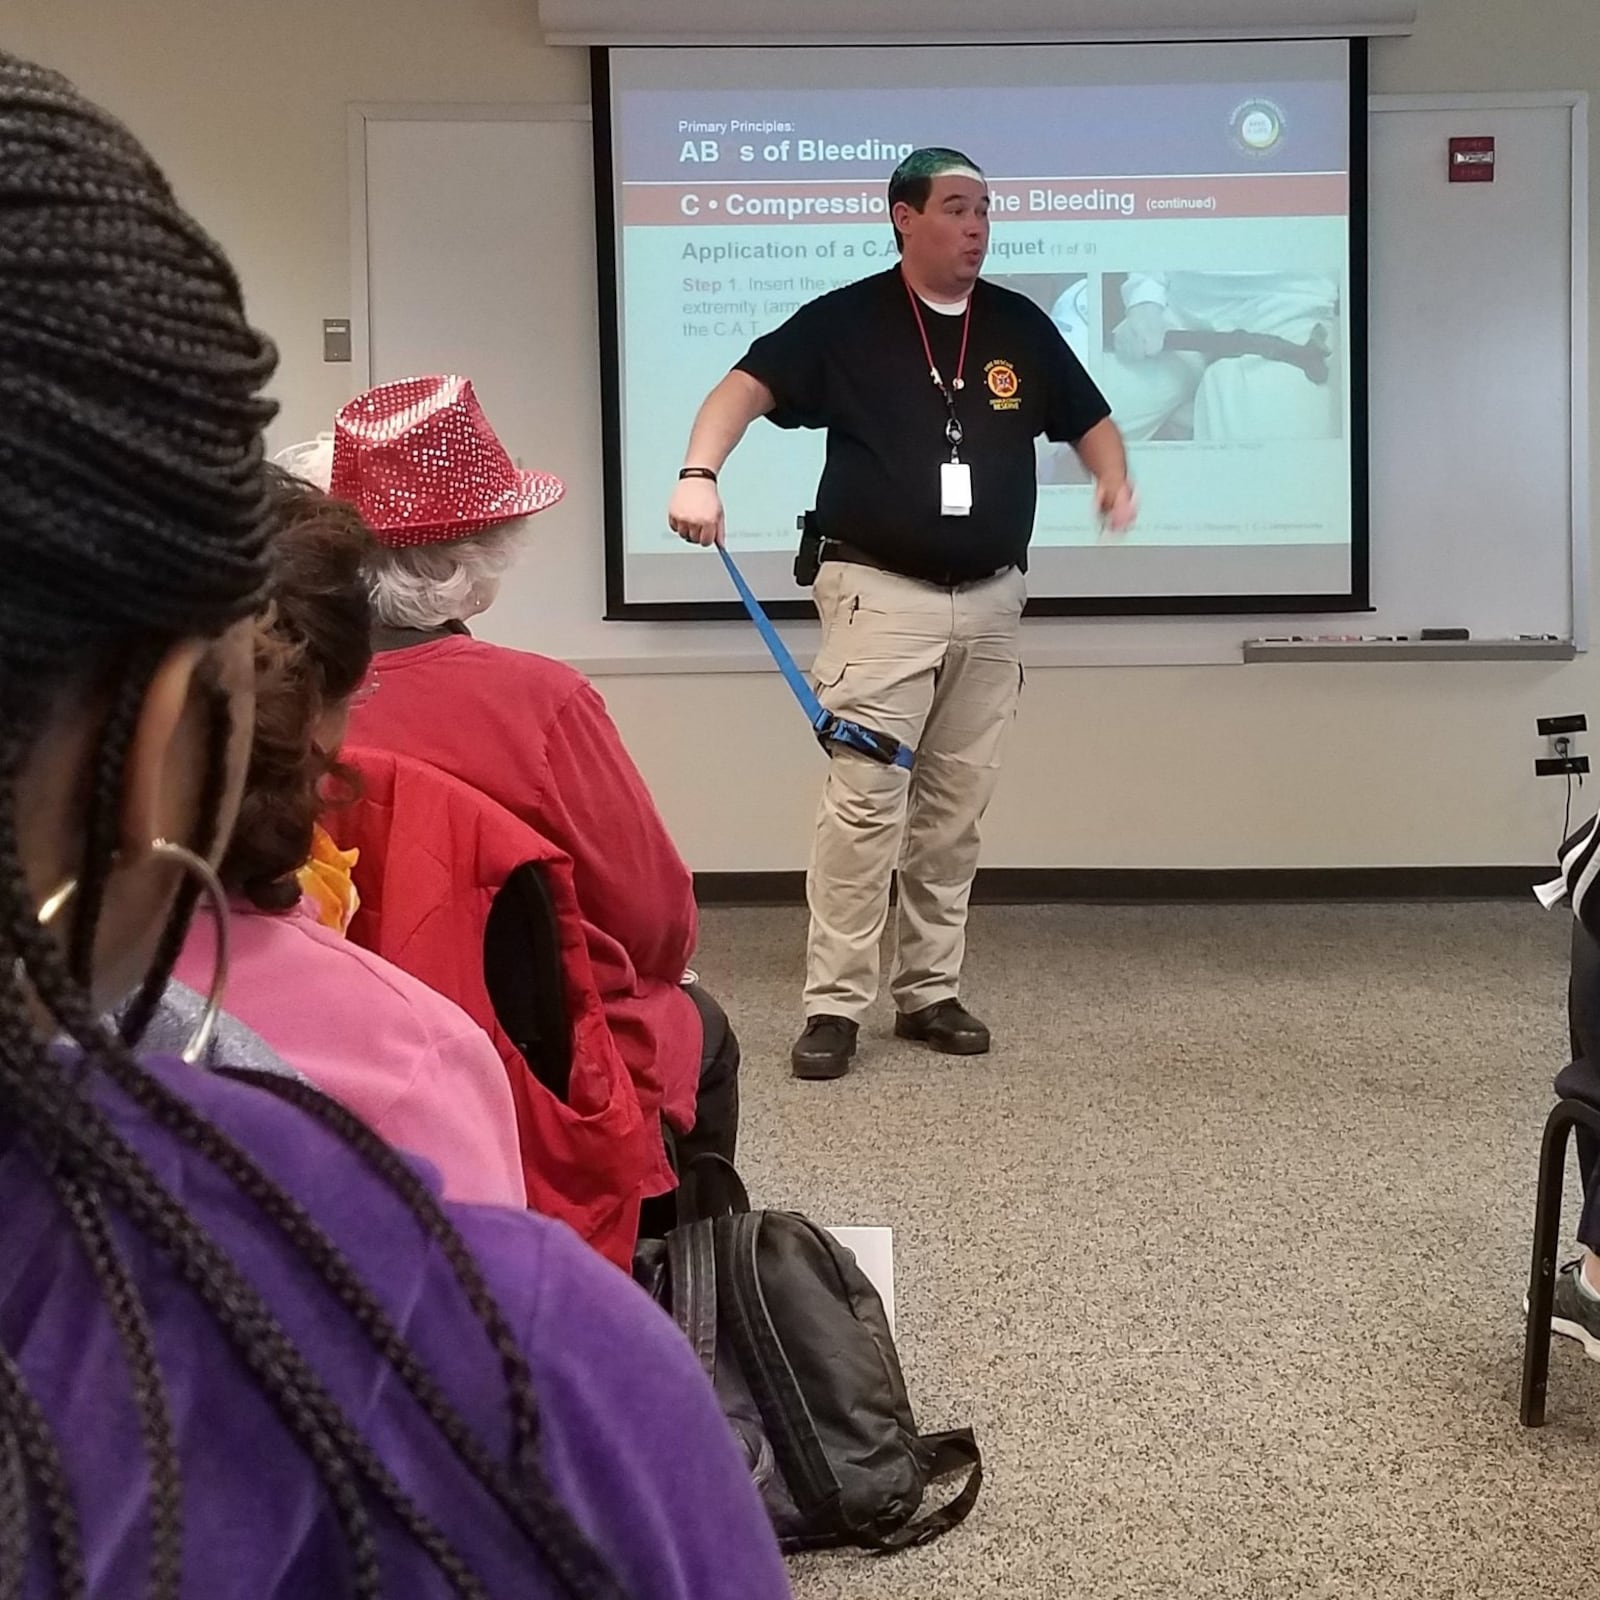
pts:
[327, 881]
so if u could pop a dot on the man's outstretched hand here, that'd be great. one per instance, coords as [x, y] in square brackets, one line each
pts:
[1117, 505]
[695, 512]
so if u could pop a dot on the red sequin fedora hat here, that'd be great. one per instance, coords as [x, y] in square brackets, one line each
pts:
[419, 461]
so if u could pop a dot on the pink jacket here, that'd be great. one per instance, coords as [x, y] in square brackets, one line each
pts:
[411, 1064]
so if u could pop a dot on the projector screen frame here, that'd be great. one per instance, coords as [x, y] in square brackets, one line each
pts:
[619, 608]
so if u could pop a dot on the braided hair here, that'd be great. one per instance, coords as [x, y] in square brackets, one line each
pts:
[133, 515]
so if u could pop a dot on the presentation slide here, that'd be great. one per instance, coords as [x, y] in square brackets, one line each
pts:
[1183, 213]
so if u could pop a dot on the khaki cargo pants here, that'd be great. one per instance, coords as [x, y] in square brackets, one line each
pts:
[938, 669]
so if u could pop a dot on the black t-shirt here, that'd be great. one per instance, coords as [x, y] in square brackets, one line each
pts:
[853, 362]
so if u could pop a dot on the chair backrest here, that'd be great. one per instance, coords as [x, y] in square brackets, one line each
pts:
[473, 902]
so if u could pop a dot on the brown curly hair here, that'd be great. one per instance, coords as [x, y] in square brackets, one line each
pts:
[313, 649]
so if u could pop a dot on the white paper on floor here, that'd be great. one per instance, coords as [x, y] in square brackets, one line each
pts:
[874, 1252]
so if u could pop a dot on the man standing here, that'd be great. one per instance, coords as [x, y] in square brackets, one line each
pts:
[932, 385]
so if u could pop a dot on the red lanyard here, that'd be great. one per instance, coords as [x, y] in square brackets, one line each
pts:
[927, 348]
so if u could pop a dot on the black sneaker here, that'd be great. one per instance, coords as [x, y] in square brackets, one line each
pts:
[947, 1025]
[1573, 1314]
[825, 1048]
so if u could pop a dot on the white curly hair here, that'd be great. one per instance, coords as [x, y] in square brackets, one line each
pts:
[421, 586]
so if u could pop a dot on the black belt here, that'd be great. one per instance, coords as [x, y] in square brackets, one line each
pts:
[842, 550]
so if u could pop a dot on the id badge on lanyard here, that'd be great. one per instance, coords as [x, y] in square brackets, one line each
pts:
[955, 475]
[955, 489]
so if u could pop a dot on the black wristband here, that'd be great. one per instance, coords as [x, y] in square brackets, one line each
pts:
[698, 472]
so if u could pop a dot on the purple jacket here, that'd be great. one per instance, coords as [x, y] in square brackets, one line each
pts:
[632, 1440]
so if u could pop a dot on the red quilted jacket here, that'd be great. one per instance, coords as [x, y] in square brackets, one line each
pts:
[433, 854]
[535, 737]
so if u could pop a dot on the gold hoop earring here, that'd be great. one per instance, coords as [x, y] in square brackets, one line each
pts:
[216, 898]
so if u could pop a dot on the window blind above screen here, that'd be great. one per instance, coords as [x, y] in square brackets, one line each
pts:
[622, 22]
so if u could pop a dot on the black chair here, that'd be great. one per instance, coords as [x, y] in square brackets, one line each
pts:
[1578, 1106]
[523, 974]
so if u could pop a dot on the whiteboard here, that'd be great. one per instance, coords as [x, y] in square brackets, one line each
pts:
[473, 251]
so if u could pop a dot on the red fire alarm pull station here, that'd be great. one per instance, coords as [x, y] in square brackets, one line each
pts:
[1472, 161]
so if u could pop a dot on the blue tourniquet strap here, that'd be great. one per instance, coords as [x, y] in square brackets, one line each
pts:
[830, 729]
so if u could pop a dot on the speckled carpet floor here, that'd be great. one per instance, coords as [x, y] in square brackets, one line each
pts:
[1221, 1251]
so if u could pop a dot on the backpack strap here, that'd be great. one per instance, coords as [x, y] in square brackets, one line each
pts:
[944, 1453]
[709, 1187]
[692, 1273]
[784, 1414]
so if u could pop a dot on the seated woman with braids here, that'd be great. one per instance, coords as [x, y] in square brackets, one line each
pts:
[410, 1063]
[245, 1351]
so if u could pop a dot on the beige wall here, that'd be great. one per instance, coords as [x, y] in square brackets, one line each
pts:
[244, 102]
[244, 105]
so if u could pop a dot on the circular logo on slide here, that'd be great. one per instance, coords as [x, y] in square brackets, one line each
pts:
[1258, 126]
[1003, 382]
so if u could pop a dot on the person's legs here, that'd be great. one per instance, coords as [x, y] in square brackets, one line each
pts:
[952, 783]
[883, 642]
[1250, 398]
[1583, 995]
[716, 1112]
[858, 831]
[1583, 1027]
[1576, 1310]
[1145, 394]
[716, 1120]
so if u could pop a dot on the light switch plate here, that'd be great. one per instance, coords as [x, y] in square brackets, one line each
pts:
[336, 339]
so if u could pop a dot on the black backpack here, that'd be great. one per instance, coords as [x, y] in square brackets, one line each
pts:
[795, 1341]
